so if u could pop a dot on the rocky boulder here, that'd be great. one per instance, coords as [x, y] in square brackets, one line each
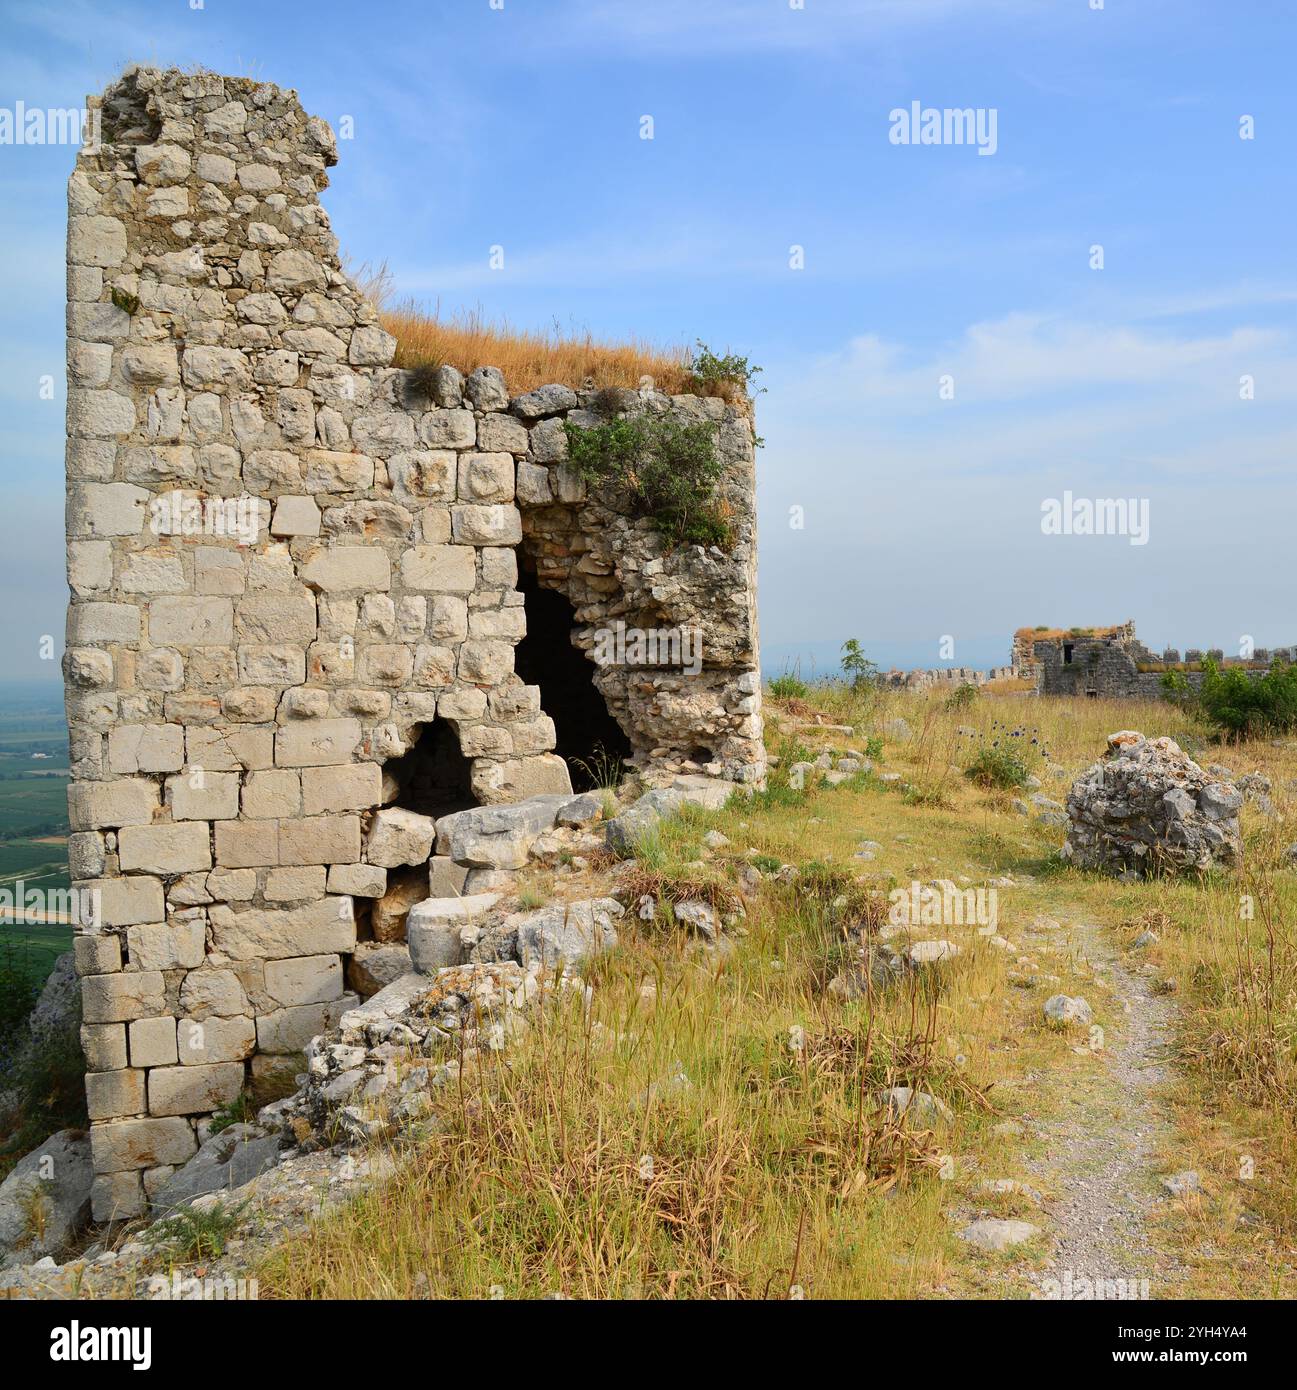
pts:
[1149, 806]
[434, 926]
[226, 1160]
[45, 1200]
[376, 964]
[565, 936]
[404, 888]
[398, 837]
[58, 1010]
[627, 831]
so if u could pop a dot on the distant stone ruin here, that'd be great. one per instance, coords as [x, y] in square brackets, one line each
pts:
[1108, 663]
[318, 605]
[945, 678]
[1111, 663]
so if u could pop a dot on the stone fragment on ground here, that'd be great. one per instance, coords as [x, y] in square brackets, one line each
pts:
[1062, 1011]
[904, 1101]
[376, 964]
[566, 936]
[433, 928]
[226, 1160]
[996, 1236]
[1185, 1184]
[699, 917]
[931, 952]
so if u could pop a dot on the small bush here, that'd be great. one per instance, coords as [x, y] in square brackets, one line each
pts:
[717, 375]
[43, 1078]
[196, 1234]
[839, 894]
[859, 670]
[669, 468]
[242, 1110]
[788, 687]
[1237, 705]
[997, 767]
[535, 890]
[605, 771]
[962, 697]
[925, 795]
[19, 990]
[420, 382]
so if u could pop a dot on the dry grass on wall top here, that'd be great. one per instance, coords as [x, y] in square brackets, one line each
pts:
[466, 340]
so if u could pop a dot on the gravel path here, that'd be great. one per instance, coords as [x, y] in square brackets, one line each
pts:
[1102, 1149]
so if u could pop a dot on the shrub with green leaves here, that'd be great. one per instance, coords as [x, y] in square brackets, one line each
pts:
[194, 1233]
[241, 1110]
[669, 467]
[962, 696]
[1237, 704]
[712, 371]
[997, 767]
[789, 687]
[43, 1079]
[19, 989]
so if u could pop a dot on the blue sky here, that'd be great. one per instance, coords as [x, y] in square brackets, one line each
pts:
[520, 127]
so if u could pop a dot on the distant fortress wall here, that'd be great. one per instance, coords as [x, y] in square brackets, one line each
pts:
[1112, 663]
[1101, 662]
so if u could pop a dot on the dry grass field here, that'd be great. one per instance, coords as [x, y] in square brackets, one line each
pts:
[698, 1124]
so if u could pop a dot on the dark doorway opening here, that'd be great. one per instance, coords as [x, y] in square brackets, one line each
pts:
[587, 737]
[432, 776]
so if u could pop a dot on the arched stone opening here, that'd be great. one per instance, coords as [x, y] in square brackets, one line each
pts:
[587, 737]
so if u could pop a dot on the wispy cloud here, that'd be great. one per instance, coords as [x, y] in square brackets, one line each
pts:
[1024, 355]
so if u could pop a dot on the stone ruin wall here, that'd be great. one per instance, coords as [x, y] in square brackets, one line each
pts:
[944, 678]
[231, 707]
[1106, 663]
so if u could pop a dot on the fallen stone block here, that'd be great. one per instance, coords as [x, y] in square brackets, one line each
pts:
[496, 837]
[433, 926]
[227, 1160]
[565, 936]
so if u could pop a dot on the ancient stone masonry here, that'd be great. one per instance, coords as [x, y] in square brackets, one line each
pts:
[1103, 662]
[944, 678]
[298, 577]
[1112, 663]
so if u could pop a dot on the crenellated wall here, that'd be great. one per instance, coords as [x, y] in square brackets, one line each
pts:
[1112, 663]
[286, 560]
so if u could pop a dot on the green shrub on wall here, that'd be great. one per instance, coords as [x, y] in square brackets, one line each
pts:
[669, 468]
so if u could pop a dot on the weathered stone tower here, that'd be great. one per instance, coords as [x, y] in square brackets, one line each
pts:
[297, 589]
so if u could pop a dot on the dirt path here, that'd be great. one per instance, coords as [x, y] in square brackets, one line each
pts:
[1106, 1129]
